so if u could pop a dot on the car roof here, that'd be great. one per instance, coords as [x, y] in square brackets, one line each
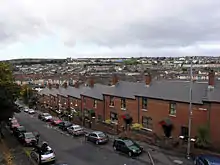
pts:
[97, 132]
[28, 133]
[211, 158]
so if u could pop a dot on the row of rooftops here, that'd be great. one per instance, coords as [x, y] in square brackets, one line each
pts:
[172, 90]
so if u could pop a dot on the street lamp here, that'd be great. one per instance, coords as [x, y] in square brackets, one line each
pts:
[190, 111]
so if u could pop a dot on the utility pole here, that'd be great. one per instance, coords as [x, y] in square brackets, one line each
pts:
[190, 111]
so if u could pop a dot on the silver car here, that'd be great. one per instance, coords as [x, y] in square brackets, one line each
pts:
[46, 157]
[75, 130]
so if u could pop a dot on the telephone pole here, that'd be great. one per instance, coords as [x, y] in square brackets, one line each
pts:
[190, 111]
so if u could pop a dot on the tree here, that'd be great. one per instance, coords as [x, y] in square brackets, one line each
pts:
[9, 92]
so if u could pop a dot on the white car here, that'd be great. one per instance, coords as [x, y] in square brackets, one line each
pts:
[46, 157]
[75, 130]
[47, 117]
[26, 110]
[31, 111]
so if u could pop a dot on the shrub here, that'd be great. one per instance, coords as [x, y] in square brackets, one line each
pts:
[136, 126]
[108, 121]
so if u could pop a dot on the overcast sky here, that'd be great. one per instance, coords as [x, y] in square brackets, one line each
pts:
[108, 28]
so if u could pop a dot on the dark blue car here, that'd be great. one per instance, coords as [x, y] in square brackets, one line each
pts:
[207, 160]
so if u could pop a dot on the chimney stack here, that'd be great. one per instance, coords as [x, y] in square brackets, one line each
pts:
[148, 79]
[49, 85]
[76, 84]
[91, 82]
[57, 86]
[65, 84]
[114, 79]
[211, 77]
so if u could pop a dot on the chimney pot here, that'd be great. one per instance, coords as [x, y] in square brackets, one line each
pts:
[114, 79]
[76, 84]
[91, 82]
[49, 85]
[148, 79]
[211, 78]
[65, 85]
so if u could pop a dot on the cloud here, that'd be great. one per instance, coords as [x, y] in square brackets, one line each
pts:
[152, 27]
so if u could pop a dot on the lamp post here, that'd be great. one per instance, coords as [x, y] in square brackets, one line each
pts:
[190, 112]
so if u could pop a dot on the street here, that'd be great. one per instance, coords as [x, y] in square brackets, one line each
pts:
[73, 150]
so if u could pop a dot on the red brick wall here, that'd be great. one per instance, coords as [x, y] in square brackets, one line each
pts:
[53, 101]
[214, 122]
[159, 110]
[131, 108]
[76, 103]
[63, 100]
[89, 105]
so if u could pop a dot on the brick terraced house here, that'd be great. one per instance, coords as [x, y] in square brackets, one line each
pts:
[150, 103]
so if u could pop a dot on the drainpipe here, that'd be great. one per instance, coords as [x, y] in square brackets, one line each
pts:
[138, 109]
[104, 107]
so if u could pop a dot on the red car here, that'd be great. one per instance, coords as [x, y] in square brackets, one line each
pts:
[55, 121]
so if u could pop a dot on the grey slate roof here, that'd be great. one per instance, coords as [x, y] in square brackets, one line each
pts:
[76, 92]
[125, 89]
[96, 91]
[173, 90]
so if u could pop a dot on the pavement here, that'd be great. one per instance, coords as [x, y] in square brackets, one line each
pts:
[75, 150]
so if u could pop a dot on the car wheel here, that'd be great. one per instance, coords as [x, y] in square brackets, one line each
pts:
[130, 154]
[97, 142]
[115, 148]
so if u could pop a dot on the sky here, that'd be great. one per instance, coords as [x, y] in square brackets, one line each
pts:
[108, 28]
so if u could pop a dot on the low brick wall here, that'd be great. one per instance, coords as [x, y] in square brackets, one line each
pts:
[107, 128]
[144, 136]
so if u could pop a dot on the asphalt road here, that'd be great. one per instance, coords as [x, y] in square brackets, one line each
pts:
[75, 151]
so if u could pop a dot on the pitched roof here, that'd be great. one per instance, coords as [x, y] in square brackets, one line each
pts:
[96, 91]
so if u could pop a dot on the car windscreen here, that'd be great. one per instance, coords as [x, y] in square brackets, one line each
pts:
[29, 135]
[21, 129]
[102, 135]
[77, 128]
[47, 152]
[129, 143]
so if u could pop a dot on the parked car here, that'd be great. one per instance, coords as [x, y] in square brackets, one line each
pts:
[55, 121]
[14, 125]
[64, 125]
[47, 118]
[31, 111]
[47, 156]
[97, 137]
[42, 115]
[18, 131]
[75, 130]
[12, 121]
[26, 110]
[127, 146]
[207, 160]
[28, 139]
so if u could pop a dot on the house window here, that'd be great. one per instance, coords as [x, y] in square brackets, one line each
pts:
[172, 111]
[144, 103]
[123, 103]
[114, 117]
[147, 122]
[112, 104]
[95, 103]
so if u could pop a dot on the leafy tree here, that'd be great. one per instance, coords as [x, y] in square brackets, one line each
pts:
[9, 92]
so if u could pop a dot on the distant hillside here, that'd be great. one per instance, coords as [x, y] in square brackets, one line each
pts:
[29, 61]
